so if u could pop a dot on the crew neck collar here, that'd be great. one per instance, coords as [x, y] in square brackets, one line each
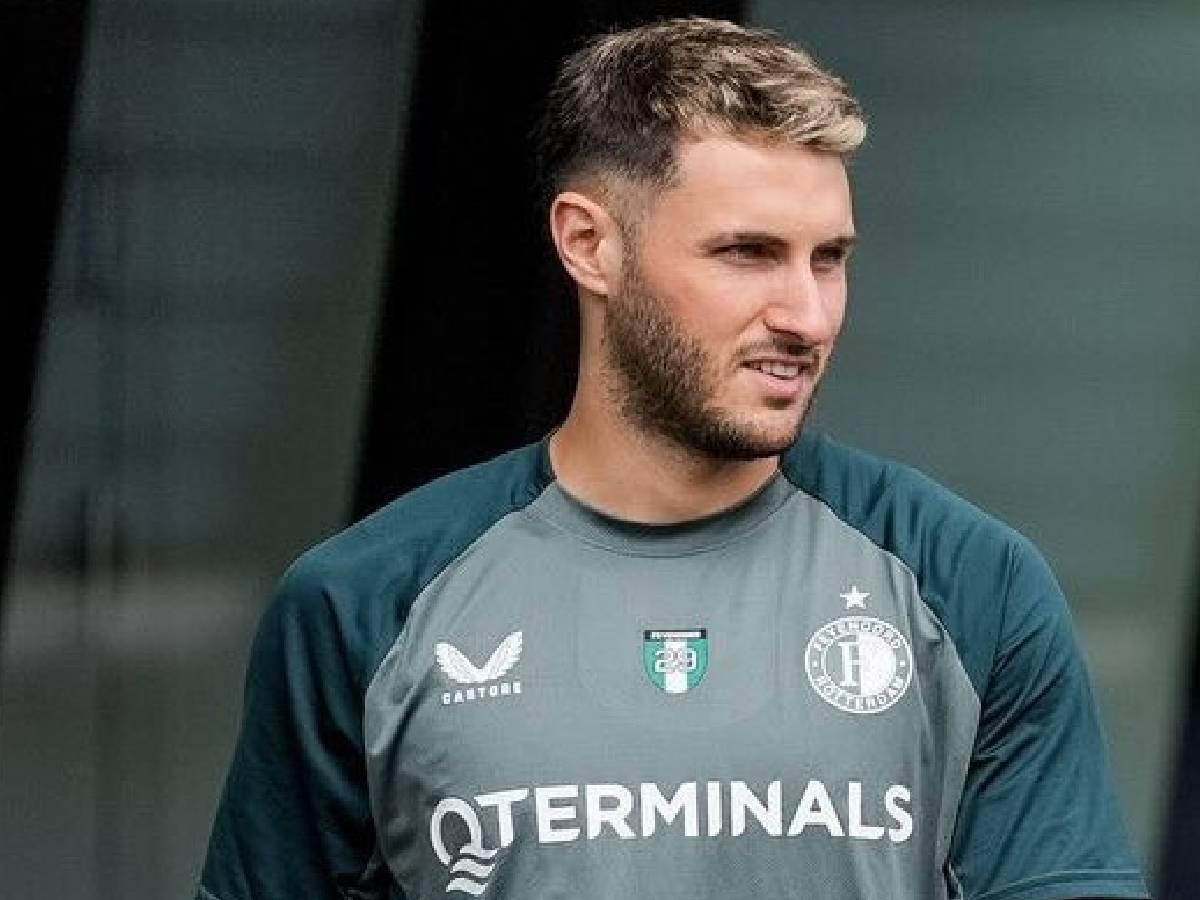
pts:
[645, 539]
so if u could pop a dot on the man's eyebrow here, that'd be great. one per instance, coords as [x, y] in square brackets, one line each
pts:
[844, 242]
[746, 237]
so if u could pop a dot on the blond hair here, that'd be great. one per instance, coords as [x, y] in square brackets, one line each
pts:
[620, 103]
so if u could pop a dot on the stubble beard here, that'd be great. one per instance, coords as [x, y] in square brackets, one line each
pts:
[666, 382]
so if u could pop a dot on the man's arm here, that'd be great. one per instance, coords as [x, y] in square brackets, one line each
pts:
[1039, 818]
[294, 819]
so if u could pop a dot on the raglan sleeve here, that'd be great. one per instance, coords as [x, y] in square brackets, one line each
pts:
[294, 817]
[1039, 817]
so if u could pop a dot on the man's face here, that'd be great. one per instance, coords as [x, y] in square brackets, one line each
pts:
[732, 297]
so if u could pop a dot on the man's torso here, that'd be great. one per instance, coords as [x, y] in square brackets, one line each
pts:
[759, 701]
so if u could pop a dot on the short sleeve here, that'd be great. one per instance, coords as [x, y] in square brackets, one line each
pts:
[1039, 817]
[294, 818]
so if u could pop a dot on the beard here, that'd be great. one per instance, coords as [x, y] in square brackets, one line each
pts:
[666, 381]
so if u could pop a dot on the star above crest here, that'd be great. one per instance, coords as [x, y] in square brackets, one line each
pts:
[855, 599]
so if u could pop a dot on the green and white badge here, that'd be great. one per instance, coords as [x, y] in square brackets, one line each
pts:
[675, 660]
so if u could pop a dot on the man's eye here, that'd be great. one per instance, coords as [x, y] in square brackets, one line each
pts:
[746, 252]
[829, 257]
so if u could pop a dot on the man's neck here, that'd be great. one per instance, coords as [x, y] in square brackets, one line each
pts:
[634, 476]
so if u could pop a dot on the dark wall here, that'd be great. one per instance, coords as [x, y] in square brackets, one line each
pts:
[42, 53]
[476, 348]
[1179, 877]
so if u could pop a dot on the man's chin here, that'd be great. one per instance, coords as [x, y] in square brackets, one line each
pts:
[761, 449]
[729, 441]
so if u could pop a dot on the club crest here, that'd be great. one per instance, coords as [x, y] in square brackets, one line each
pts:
[675, 661]
[859, 663]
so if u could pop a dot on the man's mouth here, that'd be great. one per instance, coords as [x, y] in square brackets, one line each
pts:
[775, 368]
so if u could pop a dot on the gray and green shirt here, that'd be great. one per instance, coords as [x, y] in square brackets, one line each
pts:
[851, 685]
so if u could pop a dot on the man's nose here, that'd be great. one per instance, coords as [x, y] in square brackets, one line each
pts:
[802, 306]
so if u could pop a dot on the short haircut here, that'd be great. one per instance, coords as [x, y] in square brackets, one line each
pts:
[620, 103]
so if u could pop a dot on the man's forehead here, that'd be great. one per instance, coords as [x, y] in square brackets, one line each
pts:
[719, 158]
[746, 184]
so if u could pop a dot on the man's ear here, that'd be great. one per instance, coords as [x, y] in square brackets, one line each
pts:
[588, 240]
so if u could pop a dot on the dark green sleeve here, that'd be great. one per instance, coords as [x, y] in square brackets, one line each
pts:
[1039, 819]
[294, 819]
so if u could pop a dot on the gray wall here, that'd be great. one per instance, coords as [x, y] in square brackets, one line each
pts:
[210, 331]
[1025, 305]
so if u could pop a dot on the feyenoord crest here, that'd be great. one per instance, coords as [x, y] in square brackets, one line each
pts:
[675, 660]
[859, 664]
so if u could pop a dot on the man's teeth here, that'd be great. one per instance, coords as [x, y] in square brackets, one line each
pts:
[778, 369]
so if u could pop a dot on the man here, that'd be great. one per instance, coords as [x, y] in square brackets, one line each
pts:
[678, 649]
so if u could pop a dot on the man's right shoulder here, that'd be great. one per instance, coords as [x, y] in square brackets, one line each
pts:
[430, 525]
[361, 581]
[297, 785]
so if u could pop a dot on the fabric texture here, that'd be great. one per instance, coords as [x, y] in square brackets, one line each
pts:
[853, 684]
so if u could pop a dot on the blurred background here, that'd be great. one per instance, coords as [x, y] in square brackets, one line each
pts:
[278, 261]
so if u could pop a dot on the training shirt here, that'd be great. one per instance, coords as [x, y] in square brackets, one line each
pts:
[851, 685]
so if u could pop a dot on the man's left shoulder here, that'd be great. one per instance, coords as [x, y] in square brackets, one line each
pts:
[972, 570]
[896, 505]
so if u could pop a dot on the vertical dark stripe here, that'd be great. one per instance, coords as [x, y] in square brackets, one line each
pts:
[477, 339]
[1179, 875]
[43, 49]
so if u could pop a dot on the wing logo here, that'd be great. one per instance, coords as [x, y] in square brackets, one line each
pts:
[481, 682]
[458, 668]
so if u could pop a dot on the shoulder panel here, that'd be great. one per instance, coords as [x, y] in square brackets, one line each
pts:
[372, 571]
[963, 559]
[1038, 783]
[294, 818]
